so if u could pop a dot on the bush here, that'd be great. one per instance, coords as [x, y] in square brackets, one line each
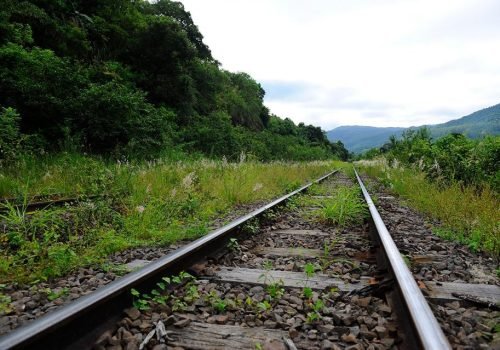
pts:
[136, 126]
[9, 133]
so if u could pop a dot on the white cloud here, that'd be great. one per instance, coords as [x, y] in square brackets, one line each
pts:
[397, 63]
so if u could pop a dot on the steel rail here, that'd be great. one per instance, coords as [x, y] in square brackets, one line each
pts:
[425, 325]
[75, 325]
[38, 204]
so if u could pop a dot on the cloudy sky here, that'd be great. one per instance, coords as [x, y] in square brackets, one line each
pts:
[363, 62]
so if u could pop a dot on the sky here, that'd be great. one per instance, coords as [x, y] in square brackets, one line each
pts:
[360, 62]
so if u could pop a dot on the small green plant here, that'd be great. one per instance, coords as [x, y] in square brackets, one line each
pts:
[258, 346]
[158, 296]
[325, 258]
[233, 245]
[264, 306]
[312, 317]
[307, 292]
[270, 215]
[275, 289]
[53, 295]
[315, 314]
[266, 275]
[217, 303]
[5, 307]
[309, 271]
[140, 301]
[252, 226]
[191, 293]
[249, 302]
[178, 304]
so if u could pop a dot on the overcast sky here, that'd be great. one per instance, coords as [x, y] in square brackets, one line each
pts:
[363, 62]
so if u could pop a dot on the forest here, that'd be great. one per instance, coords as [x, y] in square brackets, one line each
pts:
[133, 79]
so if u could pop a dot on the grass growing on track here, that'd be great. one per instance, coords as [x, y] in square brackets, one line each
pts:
[344, 209]
[149, 203]
[467, 215]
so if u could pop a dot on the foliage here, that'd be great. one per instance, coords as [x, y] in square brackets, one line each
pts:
[449, 159]
[144, 301]
[133, 78]
[369, 139]
[9, 133]
[309, 271]
[345, 208]
[466, 214]
[140, 203]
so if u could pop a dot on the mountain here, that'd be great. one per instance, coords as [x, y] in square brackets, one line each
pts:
[358, 138]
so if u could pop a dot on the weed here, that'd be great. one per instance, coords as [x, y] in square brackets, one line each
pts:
[346, 208]
[252, 226]
[269, 215]
[309, 271]
[178, 304]
[233, 245]
[264, 306]
[217, 303]
[275, 289]
[315, 314]
[258, 346]
[249, 302]
[325, 258]
[140, 301]
[147, 203]
[5, 307]
[191, 293]
[158, 296]
[467, 215]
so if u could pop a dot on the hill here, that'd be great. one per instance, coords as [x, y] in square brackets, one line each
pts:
[357, 138]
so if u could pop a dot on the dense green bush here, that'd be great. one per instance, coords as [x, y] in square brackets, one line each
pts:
[451, 158]
[9, 133]
[120, 77]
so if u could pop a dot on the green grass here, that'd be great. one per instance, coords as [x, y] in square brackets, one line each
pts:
[467, 214]
[344, 209]
[145, 204]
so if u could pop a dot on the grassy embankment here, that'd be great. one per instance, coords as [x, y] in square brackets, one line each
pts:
[153, 203]
[467, 214]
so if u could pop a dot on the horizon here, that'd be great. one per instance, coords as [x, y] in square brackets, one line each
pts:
[413, 126]
[380, 64]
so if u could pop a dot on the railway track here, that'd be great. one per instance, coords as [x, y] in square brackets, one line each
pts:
[40, 203]
[291, 282]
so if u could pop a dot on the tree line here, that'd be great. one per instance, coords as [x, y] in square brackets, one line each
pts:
[131, 77]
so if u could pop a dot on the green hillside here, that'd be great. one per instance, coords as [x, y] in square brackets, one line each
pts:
[358, 139]
[475, 125]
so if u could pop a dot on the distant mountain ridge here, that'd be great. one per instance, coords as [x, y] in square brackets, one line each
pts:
[357, 138]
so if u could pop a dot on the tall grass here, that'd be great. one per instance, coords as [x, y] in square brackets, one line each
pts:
[467, 214]
[344, 209]
[148, 203]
